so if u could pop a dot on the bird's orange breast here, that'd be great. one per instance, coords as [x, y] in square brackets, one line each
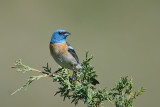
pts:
[58, 48]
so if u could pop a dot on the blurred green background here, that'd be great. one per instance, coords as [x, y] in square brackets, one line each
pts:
[122, 35]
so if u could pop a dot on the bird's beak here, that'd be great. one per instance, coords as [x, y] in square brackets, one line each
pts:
[67, 34]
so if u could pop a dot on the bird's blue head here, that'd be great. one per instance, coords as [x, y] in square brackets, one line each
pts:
[59, 36]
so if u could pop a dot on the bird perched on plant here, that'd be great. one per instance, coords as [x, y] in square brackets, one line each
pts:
[63, 53]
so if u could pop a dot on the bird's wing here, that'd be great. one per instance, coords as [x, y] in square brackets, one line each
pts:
[72, 52]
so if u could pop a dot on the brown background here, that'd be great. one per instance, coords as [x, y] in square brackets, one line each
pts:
[123, 36]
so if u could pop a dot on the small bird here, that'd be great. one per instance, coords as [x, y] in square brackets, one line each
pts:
[63, 53]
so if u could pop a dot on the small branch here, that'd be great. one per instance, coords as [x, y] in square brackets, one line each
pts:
[23, 68]
[82, 88]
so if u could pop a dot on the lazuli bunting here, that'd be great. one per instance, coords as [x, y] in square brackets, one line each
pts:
[63, 53]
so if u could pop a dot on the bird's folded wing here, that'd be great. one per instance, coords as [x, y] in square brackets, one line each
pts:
[72, 52]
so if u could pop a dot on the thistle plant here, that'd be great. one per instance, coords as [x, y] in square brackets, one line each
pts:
[82, 88]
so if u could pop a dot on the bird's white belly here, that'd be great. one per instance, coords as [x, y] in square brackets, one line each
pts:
[64, 60]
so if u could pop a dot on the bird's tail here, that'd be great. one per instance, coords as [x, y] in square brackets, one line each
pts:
[93, 80]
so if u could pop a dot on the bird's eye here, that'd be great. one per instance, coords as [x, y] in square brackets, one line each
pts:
[60, 33]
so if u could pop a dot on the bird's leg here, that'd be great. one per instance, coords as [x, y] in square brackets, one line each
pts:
[73, 73]
[58, 70]
[84, 75]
